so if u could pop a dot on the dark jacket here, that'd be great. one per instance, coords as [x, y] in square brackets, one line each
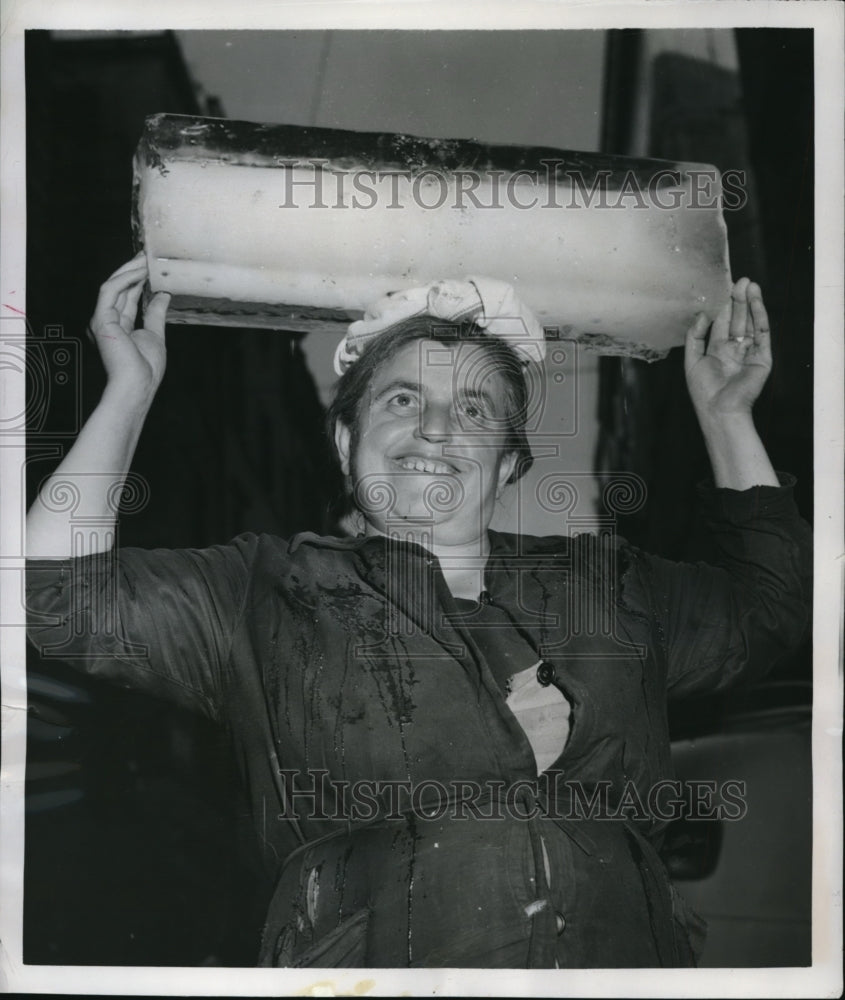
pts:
[389, 781]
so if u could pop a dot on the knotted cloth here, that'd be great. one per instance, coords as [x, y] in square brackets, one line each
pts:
[490, 304]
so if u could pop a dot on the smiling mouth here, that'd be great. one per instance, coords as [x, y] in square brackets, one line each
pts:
[413, 463]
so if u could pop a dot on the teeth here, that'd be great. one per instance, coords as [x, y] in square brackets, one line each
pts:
[421, 465]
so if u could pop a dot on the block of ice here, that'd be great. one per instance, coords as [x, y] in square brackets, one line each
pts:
[302, 228]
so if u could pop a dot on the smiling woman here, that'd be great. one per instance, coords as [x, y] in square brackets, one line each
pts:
[429, 427]
[450, 737]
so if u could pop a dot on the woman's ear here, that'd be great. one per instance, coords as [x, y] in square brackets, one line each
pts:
[342, 438]
[506, 468]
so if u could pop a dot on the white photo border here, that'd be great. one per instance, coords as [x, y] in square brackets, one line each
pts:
[824, 978]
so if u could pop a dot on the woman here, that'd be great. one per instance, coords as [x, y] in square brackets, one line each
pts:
[392, 696]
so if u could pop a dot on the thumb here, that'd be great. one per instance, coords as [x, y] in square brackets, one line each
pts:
[695, 340]
[155, 312]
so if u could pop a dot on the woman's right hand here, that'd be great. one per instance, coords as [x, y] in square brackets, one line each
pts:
[98, 461]
[134, 359]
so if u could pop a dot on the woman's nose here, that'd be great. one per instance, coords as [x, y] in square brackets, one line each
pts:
[435, 423]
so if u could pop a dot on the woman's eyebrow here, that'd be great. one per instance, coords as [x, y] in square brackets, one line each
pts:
[479, 394]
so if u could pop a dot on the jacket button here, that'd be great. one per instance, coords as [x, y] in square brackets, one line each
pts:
[546, 674]
[560, 922]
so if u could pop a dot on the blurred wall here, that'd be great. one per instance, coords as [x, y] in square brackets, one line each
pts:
[525, 87]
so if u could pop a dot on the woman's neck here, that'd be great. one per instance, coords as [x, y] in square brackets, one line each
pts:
[463, 566]
[462, 563]
[463, 578]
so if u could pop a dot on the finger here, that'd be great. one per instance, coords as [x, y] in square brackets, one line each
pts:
[137, 263]
[155, 312]
[694, 345]
[749, 322]
[759, 313]
[739, 309]
[133, 261]
[760, 321]
[139, 260]
[117, 283]
[721, 324]
[129, 309]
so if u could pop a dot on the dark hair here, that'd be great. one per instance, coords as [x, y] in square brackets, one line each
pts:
[502, 359]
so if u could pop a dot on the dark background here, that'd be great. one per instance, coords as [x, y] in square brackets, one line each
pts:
[138, 847]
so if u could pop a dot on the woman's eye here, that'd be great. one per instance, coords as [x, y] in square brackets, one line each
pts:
[402, 401]
[473, 411]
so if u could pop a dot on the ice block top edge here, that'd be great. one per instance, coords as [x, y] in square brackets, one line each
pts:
[185, 137]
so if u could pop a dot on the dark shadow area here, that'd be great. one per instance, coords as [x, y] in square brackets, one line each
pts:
[752, 879]
[139, 850]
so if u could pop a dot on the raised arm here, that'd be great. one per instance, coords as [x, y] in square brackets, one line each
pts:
[100, 457]
[735, 617]
[725, 374]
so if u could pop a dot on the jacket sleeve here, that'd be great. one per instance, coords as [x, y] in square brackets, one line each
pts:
[159, 620]
[735, 617]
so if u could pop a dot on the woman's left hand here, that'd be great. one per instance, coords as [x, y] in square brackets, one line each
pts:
[726, 373]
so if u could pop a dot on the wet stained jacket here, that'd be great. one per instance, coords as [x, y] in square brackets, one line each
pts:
[348, 678]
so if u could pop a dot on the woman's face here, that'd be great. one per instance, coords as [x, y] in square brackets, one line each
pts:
[429, 455]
